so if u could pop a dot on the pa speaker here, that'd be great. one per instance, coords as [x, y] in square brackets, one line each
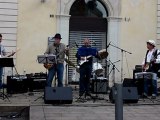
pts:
[129, 94]
[58, 95]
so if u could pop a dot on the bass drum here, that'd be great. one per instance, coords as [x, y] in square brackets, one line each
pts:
[97, 68]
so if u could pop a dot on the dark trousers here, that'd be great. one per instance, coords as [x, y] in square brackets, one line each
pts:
[85, 75]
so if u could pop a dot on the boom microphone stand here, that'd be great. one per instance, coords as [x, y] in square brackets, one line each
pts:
[122, 51]
[119, 88]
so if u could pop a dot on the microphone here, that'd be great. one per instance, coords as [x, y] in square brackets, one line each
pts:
[108, 44]
[76, 44]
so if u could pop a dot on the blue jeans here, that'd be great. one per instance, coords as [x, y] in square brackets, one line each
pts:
[153, 82]
[55, 69]
[1, 73]
[85, 75]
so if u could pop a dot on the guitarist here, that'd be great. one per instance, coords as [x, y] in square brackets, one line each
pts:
[85, 54]
[3, 53]
[151, 65]
[59, 49]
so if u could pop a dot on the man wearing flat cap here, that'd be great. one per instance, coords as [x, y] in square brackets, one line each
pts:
[59, 50]
[151, 65]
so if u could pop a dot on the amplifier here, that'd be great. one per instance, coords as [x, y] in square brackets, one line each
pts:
[17, 84]
[99, 85]
[37, 81]
[39, 84]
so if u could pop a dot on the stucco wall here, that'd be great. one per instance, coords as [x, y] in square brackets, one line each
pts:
[140, 27]
[34, 27]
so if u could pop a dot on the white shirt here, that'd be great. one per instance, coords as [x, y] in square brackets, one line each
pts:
[2, 51]
[150, 56]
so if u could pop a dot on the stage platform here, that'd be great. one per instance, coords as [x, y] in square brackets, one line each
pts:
[27, 106]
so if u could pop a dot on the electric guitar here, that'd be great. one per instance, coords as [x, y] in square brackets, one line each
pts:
[11, 54]
[49, 65]
[81, 62]
[150, 64]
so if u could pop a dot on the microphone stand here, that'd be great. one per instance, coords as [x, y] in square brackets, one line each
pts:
[96, 80]
[113, 69]
[119, 89]
[122, 51]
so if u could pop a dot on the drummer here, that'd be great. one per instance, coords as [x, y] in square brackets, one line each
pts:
[85, 58]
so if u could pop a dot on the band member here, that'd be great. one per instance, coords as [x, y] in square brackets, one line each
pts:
[59, 49]
[85, 57]
[3, 53]
[151, 65]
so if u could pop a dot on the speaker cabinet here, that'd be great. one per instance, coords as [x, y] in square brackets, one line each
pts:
[58, 95]
[128, 82]
[99, 86]
[17, 84]
[130, 94]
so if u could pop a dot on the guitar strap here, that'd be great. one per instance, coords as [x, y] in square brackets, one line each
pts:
[146, 57]
[154, 67]
[57, 51]
[154, 54]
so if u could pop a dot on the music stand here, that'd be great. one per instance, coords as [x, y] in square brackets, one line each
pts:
[46, 59]
[6, 62]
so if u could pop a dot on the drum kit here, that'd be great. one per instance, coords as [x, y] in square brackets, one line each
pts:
[97, 67]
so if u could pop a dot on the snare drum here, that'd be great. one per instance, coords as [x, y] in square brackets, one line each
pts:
[97, 68]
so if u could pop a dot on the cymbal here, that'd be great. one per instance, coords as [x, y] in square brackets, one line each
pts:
[69, 62]
[103, 53]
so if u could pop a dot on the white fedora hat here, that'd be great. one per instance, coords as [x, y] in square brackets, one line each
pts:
[152, 42]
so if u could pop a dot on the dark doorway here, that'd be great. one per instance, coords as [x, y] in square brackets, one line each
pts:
[87, 21]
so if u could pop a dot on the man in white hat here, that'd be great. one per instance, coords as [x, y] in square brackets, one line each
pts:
[151, 65]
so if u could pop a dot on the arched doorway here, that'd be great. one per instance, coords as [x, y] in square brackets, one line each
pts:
[88, 20]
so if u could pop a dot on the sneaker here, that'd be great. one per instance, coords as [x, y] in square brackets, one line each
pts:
[153, 96]
[144, 95]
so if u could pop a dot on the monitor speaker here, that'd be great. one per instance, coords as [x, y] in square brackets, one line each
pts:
[58, 95]
[130, 94]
